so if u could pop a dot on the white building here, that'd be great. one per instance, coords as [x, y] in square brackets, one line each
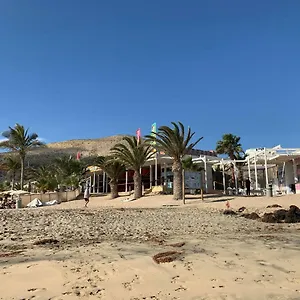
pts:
[282, 166]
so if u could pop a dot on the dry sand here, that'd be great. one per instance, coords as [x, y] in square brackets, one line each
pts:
[106, 250]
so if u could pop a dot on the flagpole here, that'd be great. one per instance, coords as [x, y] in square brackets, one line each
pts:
[153, 133]
[156, 168]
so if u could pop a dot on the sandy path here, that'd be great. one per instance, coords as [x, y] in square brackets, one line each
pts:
[210, 269]
[210, 201]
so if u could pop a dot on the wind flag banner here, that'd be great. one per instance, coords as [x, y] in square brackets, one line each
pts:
[153, 131]
[78, 155]
[138, 134]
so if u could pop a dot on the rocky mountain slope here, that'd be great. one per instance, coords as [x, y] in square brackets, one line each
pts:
[89, 147]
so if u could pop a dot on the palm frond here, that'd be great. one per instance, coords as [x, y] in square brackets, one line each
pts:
[131, 153]
[175, 142]
[231, 146]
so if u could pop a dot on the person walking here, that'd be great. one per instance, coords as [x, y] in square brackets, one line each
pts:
[86, 195]
[248, 183]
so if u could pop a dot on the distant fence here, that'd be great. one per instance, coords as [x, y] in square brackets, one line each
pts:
[59, 196]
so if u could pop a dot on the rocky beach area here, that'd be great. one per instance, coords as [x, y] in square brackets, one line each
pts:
[111, 253]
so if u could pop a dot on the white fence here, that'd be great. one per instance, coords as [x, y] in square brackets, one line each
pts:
[59, 196]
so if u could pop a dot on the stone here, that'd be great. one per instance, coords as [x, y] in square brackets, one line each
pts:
[280, 214]
[268, 218]
[241, 209]
[274, 206]
[229, 212]
[251, 216]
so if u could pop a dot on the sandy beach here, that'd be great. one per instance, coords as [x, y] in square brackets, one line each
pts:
[106, 251]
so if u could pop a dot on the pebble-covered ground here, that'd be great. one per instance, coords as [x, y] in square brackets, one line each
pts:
[85, 226]
[113, 253]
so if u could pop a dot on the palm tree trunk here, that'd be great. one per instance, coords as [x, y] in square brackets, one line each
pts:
[113, 189]
[137, 184]
[13, 180]
[177, 180]
[233, 176]
[22, 172]
[240, 176]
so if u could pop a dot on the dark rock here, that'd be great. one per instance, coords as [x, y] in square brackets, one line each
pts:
[46, 241]
[177, 244]
[252, 216]
[291, 218]
[293, 214]
[229, 212]
[274, 206]
[280, 214]
[241, 209]
[295, 209]
[269, 218]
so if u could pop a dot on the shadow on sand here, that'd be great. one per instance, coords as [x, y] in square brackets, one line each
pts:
[220, 200]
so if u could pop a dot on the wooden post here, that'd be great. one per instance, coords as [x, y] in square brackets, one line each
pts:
[94, 183]
[103, 183]
[126, 181]
[151, 176]
[202, 194]
[106, 184]
[98, 183]
[224, 179]
[156, 169]
[183, 187]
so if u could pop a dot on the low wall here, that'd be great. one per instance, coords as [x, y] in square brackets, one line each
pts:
[59, 196]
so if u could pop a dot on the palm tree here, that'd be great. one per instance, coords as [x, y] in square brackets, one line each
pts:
[176, 143]
[44, 177]
[20, 141]
[69, 171]
[4, 186]
[11, 164]
[133, 154]
[231, 146]
[114, 169]
[189, 165]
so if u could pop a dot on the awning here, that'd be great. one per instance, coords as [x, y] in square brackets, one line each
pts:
[280, 159]
[93, 169]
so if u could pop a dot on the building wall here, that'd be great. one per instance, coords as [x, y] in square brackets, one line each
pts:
[289, 173]
[59, 196]
[209, 177]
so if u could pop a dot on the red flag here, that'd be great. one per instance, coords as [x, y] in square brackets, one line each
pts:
[78, 155]
[138, 134]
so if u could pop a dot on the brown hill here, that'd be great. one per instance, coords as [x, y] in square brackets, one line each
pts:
[89, 147]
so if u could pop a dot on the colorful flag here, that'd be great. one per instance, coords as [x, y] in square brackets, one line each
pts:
[138, 134]
[153, 132]
[153, 129]
[78, 155]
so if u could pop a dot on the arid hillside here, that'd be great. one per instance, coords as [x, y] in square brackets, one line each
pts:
[89, 147]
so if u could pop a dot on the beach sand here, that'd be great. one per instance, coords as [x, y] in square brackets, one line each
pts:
[106, 251]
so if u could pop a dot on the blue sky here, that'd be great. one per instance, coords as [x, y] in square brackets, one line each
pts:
[86, 69]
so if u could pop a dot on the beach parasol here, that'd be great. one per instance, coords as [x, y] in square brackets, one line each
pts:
[93, 169]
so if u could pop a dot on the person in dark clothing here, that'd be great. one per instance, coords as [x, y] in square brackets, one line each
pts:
[247, 182]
